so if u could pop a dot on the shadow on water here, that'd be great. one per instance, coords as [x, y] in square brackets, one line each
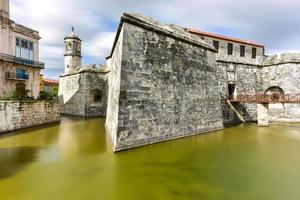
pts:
[12, 160]
[71, 139]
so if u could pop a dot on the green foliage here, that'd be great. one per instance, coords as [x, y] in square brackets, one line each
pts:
[46, 96]
[20, 93]
[54, 92]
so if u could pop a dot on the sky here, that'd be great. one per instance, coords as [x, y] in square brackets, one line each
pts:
[274, 23]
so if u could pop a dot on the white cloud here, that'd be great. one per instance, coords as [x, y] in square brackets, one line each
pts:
[274, 23]
[100, 45]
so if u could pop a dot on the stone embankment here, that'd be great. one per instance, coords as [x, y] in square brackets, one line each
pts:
[16, 115]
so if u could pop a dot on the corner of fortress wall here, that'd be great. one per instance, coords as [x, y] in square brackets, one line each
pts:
[162, 86]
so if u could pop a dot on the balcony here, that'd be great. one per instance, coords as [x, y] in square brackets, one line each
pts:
[16, 76]
[14, 59]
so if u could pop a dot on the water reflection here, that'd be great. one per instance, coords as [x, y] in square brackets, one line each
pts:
[82, 137]
[13, 160]
[240, 161]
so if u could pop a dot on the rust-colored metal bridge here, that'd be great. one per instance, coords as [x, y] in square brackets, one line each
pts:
[267, 99]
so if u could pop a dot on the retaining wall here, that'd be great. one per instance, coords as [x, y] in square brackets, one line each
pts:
[16, 115]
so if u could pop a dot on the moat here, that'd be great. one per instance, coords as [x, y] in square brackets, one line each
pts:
[74, 160]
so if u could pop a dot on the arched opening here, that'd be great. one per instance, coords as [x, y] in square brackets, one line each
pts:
[275, 92]
[96, 96]
[20, 90]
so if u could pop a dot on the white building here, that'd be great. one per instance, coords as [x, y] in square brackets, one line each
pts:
[19, 56]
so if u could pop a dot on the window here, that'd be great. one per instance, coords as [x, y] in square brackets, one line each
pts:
[253, 52]
[230, 49]
[21, 74]
[68, 46]
[46, 88]
[216, 45]
[242, 51]
[24, 49]
[96, 96]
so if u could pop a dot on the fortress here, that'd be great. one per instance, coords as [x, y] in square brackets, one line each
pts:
[164, 82]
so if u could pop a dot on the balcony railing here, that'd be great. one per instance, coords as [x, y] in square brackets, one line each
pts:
[16, 76]
[14, 59]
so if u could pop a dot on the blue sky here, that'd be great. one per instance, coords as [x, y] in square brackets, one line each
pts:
[275, 23]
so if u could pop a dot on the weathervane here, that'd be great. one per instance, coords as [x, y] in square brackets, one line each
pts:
[73, 29]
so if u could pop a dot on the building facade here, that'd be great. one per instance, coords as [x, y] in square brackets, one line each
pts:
[239, 64]
[48, 85]
[82, 88]
[19, 56]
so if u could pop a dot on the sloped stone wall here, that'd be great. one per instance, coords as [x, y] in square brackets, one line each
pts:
[16, 115]
[168, 89]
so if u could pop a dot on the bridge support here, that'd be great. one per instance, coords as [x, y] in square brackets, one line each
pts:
[236, 112]
[263, 115]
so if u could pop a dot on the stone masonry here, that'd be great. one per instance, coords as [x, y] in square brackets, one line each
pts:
[243, 72]
[167, 82]
[16, 115]
[283, 71]
[77, 92]
[162, 84]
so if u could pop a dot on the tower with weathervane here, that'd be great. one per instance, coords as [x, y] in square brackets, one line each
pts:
[82, 88]
[72, 52]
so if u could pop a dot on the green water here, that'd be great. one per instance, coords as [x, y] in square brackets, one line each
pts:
[73, 161]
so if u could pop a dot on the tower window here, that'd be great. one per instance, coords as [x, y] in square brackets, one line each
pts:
[68, 46]
[253, 52]
[242, 51]
[96, 96]
[230, 49]
[216, 45]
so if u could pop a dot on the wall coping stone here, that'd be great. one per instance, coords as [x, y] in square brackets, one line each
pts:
[170, 30]
[280, 59]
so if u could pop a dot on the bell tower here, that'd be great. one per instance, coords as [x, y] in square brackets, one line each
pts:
[4, 9]
[72, 52]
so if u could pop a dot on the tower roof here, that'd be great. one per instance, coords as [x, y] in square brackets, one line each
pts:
[72, 35]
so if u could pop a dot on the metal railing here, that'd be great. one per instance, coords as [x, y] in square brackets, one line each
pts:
[14, 59]
[264, 98]
[16, 76]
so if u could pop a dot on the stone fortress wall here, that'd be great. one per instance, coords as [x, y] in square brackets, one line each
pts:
[283, 72]
[254, 74]
[165, 84]
[168, 82]
[83, 93]
[240, 69]
[25, 114]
